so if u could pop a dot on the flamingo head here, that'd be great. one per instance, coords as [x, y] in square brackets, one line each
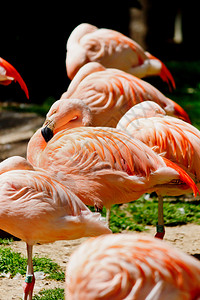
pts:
[65, 114]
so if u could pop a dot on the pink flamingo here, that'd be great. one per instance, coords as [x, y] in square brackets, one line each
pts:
[110, 93]
[8, 73]
[130, 266]
[112, 49]
[105, 164]
[38, 209]
[170, 137]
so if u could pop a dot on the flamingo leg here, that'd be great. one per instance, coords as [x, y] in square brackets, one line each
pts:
[28, 285]
[108, 217]
[160, 229]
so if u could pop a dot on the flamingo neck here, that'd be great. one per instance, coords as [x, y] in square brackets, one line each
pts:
[35, 147]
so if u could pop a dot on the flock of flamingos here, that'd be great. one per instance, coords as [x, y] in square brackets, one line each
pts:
[109, 139]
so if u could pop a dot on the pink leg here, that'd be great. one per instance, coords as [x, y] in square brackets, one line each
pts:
[28, 285]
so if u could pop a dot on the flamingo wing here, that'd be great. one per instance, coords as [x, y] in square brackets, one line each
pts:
[109, 147]
[37, 208]
[114, 90]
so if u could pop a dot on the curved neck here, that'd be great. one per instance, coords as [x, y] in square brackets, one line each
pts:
[35, 146]
[84, 71]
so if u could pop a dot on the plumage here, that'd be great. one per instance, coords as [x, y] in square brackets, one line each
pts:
[38, 209]
[130, 266]
[171, 137]
[112, 49]
[104, 166]
[110, 93]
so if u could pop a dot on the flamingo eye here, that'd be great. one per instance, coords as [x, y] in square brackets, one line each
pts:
[74, 118]
[53, 112]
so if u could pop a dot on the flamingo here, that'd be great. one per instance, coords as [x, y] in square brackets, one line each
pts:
[112, 49]
[105, 164]
[170, 137]
[38, 209]
[8, 73]
[131, 266]
[110, 93]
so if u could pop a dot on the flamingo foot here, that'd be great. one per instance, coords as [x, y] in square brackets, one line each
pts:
[28, 286]
[160, 231]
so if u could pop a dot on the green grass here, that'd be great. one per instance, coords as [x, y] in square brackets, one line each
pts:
[134, 216]
[177, 212]
[14, 262]
[187, 93]
[51, 294]
[121, 220]
[6, 241]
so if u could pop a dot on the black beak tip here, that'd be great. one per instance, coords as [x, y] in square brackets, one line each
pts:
[47, 133]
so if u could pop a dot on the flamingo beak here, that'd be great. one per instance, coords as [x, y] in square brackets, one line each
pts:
[12, 74]
[47, 133]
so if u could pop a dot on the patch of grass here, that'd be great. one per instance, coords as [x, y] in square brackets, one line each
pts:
[6, 241]
[187, 93]
[14, 262]
[120, 220]
[51, 294]
[48, 267]
[177, 212]
[134, 216]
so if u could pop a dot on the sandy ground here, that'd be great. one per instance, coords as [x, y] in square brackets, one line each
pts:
[184, 237]
[15, 131]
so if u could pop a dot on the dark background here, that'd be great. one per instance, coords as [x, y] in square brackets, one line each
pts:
[33, 37]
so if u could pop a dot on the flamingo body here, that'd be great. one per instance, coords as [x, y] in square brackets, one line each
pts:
[130, 266]
[38, 209]
[168, 136]
[106, 165]
[110, 93]
[112, 49]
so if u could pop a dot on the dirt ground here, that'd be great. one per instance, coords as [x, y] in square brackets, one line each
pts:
[15, 131]
[184, 237]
